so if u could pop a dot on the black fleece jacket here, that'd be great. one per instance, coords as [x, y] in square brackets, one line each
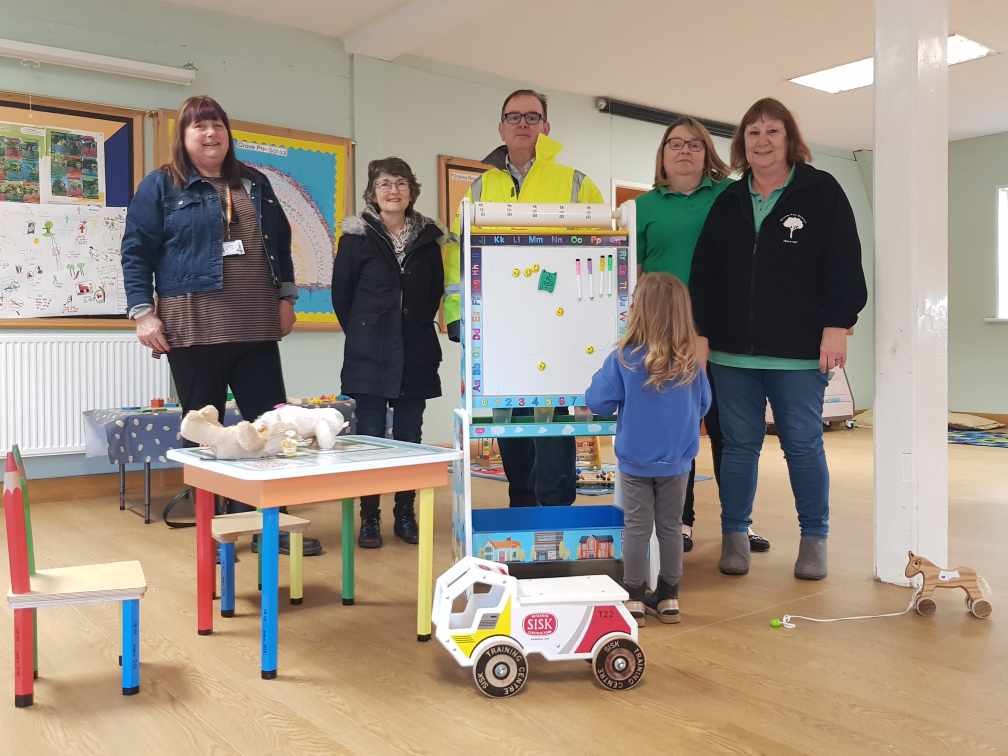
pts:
[773, 294]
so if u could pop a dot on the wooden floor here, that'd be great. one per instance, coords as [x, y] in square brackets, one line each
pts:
[354, 679]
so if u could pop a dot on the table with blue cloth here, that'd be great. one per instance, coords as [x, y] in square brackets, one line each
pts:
[143, 437]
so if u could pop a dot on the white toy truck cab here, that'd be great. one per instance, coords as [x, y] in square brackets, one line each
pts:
[505, 619]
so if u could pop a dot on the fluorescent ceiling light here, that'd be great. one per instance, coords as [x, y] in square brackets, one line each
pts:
[861, 73]
[32, 54]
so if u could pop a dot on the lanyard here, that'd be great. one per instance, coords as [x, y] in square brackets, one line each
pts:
[228, 210]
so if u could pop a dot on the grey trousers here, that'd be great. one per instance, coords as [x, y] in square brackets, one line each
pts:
[657, 503]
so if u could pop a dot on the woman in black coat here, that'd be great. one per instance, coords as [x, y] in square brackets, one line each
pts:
[388, 280]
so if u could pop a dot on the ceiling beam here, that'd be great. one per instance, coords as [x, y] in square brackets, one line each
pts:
[410, 27]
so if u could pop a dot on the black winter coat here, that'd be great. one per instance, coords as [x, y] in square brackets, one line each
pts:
[773, 293]
[387, 312]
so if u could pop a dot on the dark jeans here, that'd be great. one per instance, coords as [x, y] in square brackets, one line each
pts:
[796, 397]
[713, 423]
[202, 374]
[539, 471]
[407, 421]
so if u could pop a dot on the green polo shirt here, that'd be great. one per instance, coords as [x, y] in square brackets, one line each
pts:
[669, 224]
[761, 208]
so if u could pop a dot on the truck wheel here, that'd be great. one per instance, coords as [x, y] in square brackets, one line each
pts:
[618, 664]
[500, 670]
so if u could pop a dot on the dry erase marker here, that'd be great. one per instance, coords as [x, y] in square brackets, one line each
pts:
[591, 284]
[612, 275]
[577, 270]
[602, 276]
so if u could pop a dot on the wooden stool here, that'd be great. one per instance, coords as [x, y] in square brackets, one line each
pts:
[226, 529]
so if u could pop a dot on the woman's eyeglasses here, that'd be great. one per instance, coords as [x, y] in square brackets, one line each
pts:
[386, 185]
[693, 145]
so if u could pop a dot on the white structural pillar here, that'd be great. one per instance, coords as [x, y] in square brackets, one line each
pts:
[911, 284]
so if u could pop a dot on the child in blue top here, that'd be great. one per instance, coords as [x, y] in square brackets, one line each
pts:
[660, 390]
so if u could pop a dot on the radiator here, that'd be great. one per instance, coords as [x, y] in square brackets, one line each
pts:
[48, 379]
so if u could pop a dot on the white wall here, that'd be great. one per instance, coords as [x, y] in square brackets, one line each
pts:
[977, 353]
[412, 108]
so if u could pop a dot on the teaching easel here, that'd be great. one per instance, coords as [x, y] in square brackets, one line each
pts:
[546, 292]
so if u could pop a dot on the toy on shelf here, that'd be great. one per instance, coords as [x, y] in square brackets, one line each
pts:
[507, 619]
[935, 577]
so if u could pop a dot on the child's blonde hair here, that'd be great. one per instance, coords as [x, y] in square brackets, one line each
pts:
[661, 321]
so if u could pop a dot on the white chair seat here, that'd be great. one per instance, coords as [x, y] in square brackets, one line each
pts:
[85, 584]
[227, 528]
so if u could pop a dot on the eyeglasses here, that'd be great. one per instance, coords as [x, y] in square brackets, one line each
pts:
[675, 144]
[387, 185]
[531, 118]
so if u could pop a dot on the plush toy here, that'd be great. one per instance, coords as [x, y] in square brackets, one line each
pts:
[239, 441]
[322, 424]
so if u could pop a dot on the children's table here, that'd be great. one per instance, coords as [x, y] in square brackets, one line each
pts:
[358, 466]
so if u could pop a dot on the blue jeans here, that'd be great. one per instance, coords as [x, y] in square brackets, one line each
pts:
[796, 397]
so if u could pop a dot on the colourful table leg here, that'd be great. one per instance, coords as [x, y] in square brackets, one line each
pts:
[269, 548]
[348, 552]
[425, 577]
[227, 579]
[24, 680]
[205, 568]
[131, 647]
[296, 567]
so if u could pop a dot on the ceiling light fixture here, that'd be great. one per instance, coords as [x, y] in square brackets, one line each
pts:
[32, 54]
[861, 73]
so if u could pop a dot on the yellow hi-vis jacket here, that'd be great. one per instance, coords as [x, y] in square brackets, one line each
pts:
[547, 181]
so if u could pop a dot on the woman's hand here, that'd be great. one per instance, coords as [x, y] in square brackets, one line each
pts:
[287, 317]
[702, 350]
[833, 349]
[150, 332]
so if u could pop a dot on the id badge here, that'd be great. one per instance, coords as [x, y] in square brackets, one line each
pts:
[234, 247]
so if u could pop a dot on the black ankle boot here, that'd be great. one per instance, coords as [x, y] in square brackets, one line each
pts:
[405, 524]
[370, 530]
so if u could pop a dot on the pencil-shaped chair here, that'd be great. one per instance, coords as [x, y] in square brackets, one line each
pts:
[122, 582]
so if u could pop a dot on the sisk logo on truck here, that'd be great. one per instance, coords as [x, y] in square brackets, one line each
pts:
[540, 624]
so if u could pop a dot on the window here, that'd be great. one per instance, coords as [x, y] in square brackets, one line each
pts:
[1002, 253]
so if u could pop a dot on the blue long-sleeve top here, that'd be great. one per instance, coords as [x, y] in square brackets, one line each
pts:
[657, 431]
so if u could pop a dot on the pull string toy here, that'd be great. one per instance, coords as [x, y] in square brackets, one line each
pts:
[787, 620]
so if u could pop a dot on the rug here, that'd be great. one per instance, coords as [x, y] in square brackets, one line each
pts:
[979, 438]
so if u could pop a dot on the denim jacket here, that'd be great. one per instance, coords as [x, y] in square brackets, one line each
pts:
[174, 235]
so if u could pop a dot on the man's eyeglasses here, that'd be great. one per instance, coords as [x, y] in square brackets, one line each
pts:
[385, 185]
[675, 144]
[531, 118]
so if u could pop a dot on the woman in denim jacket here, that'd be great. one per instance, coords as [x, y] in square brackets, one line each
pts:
[208, 271]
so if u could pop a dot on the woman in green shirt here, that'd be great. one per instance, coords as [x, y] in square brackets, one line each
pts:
[689, 176]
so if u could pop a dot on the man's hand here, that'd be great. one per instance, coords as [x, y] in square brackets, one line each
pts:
[150, 332]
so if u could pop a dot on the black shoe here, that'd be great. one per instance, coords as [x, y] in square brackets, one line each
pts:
[405, 525]
[687, 538]
[310, 546]
[370, 532]
[757, 542]
[663, 603]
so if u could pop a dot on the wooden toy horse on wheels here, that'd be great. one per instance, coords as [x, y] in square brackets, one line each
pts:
[935, 577]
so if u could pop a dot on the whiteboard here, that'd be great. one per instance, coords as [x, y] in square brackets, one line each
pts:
[61, 260]
[537, 342]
